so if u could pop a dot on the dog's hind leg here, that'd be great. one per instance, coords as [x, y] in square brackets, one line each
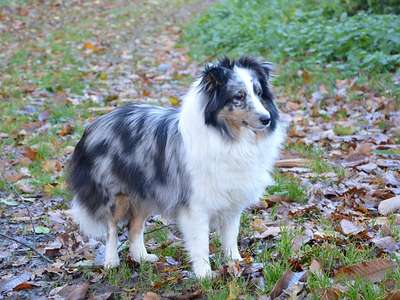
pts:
[137, 249]
[111, 255]
[118, 212]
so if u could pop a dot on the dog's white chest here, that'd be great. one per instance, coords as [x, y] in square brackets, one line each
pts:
[230, 177]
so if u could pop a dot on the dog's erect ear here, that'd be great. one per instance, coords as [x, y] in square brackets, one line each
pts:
[268, 69]
[213, 77]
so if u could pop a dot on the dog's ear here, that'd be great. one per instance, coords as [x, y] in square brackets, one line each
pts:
[268, 69]
[213, 77]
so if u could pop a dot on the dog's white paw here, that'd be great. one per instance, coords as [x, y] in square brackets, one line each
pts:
[111, 262]
[233, 254]
[145, 257]
[203, 271]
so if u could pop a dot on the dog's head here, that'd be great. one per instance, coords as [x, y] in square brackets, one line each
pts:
[238, 97]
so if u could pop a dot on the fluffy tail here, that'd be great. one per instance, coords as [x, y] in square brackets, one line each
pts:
[88, 224]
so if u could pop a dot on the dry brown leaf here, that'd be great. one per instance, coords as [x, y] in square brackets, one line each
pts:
[330, 294]
[66, 130]
[288, 280]
[24, 286]
[395, 295]
[373, 270]
[30, 153]
[74, 292]
[271, 231]
[52, 166]
[315, 267]
[151, 296]
[278, 198]
[258, 225]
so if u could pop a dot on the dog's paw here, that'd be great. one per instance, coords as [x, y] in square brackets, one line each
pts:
[111, 262]
[203, 271]
[145, 257]
[207, 275]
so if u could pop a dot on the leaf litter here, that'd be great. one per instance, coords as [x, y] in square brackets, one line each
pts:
[352, 182]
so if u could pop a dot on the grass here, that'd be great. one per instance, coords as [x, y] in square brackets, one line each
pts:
[343, 130]
[288, 186]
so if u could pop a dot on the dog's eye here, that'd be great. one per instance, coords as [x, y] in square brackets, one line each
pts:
[239, 98]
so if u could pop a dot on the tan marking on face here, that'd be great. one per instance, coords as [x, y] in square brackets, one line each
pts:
[233, 119]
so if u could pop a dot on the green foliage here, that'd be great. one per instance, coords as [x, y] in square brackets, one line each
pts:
[288, 186]
[311, 34]
[375, 6]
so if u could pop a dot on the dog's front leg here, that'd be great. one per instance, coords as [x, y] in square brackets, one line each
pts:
[229, 231]
[195, 229]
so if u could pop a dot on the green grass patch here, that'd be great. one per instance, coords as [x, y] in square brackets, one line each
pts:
[343, 130]
[288, 186]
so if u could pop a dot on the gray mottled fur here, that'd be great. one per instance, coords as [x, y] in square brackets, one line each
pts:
[135, 150]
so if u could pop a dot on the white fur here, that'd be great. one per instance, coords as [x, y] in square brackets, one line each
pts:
[226, 178]
[88, 225]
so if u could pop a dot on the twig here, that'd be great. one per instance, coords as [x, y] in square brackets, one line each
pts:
[14, 190]
[159, 228]
[28, 246]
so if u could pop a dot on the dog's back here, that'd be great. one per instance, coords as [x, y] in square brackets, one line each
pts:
[134, 150]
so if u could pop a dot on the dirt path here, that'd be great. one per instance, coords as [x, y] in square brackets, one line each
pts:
[63, 59]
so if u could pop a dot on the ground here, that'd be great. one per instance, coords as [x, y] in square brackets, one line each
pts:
[66, 63]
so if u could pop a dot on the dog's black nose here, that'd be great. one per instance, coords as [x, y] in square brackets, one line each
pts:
[265, 120]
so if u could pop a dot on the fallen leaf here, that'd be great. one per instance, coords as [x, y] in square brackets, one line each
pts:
[43, 116]
[271, 231]
[66, 130]
[315, 267]
[387, 244]
[258, 225]
[74, 292]
[24, 286]
[42, 230]
[101, 110]
[173, 101]
[9, 202]
[329, 294]
[25, 186]
[288, 279]
[292, 163]
[349, 228]
[373, 270]
[395, 295]
[30, 153]
[151, 296]
[10, 283]
[389, 205]
[52, 166]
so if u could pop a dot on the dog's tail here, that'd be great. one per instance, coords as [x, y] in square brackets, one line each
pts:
[88, 223]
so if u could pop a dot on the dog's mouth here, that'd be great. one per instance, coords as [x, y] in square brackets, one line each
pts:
[256, 128]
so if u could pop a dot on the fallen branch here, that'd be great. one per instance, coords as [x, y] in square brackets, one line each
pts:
[28, 246]
[159, 228]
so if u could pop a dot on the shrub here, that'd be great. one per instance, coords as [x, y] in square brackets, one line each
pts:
[300, 31]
